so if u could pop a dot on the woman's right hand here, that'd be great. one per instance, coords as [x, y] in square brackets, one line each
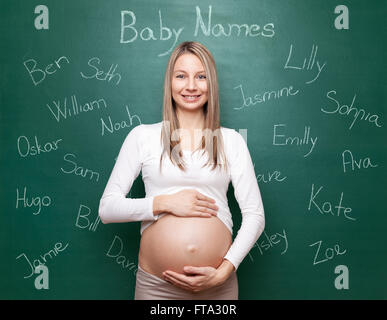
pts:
[191, 203]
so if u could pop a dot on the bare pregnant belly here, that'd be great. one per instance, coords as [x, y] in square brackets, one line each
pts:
[174, 242]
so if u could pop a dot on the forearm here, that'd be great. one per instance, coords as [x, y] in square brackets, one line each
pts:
[251, 228]
[115, 208]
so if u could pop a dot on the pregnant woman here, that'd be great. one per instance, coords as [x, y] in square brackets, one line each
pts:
[187, 162]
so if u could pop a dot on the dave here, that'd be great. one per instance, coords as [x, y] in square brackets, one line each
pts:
[38, 75]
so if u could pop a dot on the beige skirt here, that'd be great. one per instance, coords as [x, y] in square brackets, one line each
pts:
[151, 287]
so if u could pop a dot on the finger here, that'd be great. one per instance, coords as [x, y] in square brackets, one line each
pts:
[196, 270]
[182, 278]
[206, 211]
[177, 283]
[200, 214]
[207, 204]
[201, 196]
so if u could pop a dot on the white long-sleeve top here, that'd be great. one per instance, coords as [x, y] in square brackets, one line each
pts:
[141, 151]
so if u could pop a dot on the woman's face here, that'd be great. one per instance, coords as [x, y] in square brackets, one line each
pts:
[189, 83]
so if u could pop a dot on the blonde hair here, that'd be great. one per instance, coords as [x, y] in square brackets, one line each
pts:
[170, 125]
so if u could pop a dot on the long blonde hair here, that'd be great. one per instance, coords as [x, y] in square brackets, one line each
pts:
[170, 138]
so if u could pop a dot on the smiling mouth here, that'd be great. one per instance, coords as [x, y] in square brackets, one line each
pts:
[191, 96]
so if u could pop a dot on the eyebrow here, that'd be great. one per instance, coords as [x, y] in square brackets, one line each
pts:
[202, 71]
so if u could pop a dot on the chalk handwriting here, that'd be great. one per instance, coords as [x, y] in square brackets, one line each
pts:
[26, 149]
[115, 252]
[43, 258]
[219, 30]
[248, 101]
[348, 159]
[328, 254]
[280, 140]
[64, 110]
[100, 74]
[83, 220]
[327, 207]
[310, 65]
[111, 128]
[269, 176]
[38, 75]
[267, 242]
[346, 110]
[36, 201]
[130, 32]
[78, 170]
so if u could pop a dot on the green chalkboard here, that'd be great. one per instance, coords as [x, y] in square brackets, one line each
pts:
[305, 79]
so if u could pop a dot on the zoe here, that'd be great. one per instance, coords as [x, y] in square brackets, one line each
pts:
[329, 254]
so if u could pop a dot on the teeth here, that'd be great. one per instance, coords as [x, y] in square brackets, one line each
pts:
[191, 96]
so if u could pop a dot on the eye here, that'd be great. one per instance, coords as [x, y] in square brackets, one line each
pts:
[180, 76]
[202, 76]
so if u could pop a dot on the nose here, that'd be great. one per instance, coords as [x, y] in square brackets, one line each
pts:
[191, 84]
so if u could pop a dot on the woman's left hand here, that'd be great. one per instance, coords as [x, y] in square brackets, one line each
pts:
[196, 279]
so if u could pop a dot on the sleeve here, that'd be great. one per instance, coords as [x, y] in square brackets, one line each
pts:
[114, 206]
[248, 195]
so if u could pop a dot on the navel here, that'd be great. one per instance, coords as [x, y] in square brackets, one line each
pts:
[191, 248]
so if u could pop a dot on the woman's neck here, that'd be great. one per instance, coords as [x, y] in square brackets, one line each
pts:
[191, 121]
